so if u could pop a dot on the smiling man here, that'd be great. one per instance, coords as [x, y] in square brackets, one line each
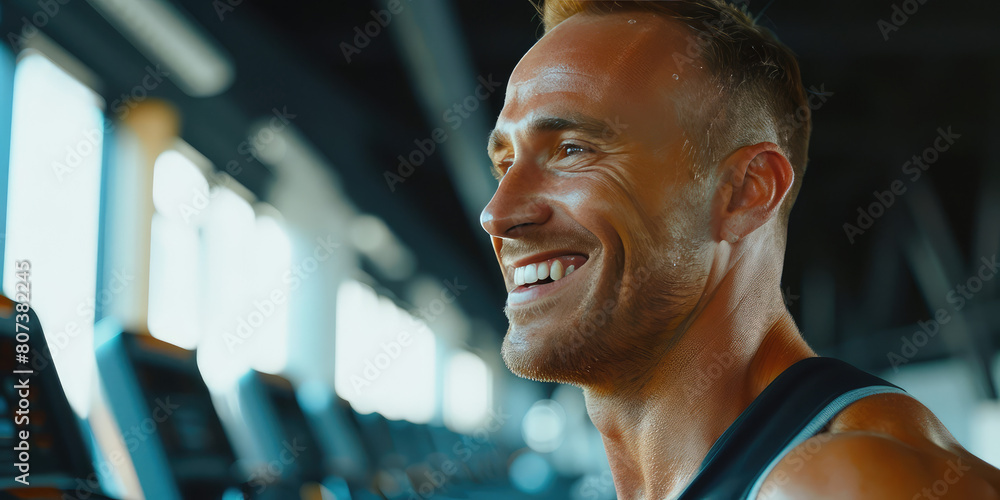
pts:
[648, 155]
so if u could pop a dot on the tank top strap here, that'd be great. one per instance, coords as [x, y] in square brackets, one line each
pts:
[795, 406]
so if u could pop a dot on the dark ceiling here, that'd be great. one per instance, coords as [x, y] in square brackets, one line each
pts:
[887, 99]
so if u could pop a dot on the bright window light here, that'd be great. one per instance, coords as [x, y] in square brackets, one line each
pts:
[385, 358]
[228, 231]
[180, 192]
[267, 350]
[174, 305]
[57, 137]
[467, 392]
[985, 432]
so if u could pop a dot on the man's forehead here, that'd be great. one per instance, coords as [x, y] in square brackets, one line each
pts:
[558, 78]
[601, 58]
[608, 65]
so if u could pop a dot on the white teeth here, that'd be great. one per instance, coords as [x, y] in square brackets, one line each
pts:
[543, 270]
[530, 273]
[533, 273]
[557, 271]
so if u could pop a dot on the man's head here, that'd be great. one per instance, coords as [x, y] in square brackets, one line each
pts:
[635, 138]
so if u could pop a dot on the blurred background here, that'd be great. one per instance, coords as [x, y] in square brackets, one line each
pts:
[252, 240]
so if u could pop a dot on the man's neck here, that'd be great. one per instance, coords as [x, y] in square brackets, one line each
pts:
[657, 430]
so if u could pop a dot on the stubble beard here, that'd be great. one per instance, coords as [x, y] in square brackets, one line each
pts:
[616, 333]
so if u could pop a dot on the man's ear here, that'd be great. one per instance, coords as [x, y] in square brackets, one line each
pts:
[754, 182]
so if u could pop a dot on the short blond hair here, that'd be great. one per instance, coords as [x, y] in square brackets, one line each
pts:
[756, 80]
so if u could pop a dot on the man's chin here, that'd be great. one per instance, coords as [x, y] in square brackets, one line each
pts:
[520, 359]
[537, 360]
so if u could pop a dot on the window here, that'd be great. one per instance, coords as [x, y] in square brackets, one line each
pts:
[467, 392]
[385, 358]
[57, 140]
[180, 193]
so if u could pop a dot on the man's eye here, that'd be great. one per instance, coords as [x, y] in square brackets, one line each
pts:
[573, 149]
[501, 168]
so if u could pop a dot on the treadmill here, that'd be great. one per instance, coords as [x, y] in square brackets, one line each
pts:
[289, 448]
[34, 406]
[175, 438]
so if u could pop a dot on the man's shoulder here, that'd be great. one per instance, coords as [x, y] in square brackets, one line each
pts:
[883, 446]
[861, 465]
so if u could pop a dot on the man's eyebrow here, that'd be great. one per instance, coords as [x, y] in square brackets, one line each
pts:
[587, 125]
[497, 140]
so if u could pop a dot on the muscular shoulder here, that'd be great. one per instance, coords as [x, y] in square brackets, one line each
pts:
[887, 446]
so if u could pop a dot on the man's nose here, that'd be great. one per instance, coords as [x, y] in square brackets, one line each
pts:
[518, 204]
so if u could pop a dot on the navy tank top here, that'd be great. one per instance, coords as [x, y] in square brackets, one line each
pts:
[795, 406]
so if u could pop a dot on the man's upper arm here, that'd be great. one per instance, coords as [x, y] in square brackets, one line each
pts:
[862, 465]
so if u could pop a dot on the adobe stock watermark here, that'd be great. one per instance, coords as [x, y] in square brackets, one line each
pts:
[280, 118]
[376, 365]
[264, 308]
[120, 108]
[696, 44]
[47, 9]
[958, 298]
[594, 320]
[454, 116]
[363, 36]
[788, 297]
[952, 475]
[139, 433]
[461, 452]
[597, 486]
[59, 340]
[201, 197]
[796, 459]
[914, 167]
[900, 15]
[721, 362]
[269, 473]
[815, 99]
[223, 7]
[131, 438]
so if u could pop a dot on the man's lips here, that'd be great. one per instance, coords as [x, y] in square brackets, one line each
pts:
[538, 279]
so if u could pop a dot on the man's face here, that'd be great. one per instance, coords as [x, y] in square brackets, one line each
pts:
[594, 176]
